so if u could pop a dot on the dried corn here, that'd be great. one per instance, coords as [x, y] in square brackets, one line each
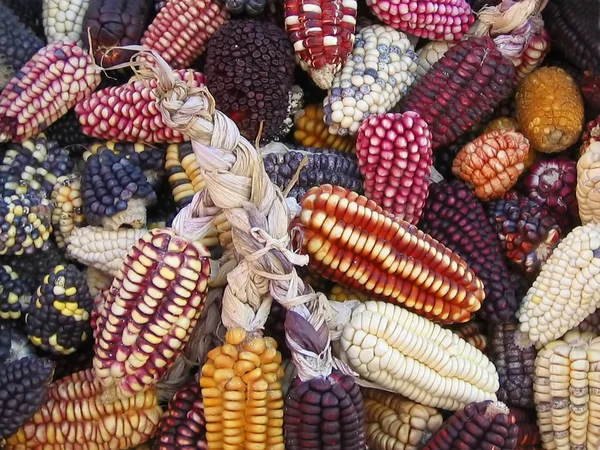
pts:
[63, 20]
[311, 131]
[68, 208]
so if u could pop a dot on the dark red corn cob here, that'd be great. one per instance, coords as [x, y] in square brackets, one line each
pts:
[551, 183]
[456, 218]
[529, 435]
[182, 426]
[129, 113]
[461, 89]
[115, 23]
[395, 158]
[57, 77]
[479, 426]
[590, 89]
[182, 28]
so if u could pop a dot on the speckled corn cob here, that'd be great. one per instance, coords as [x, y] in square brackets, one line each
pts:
[550, 109]
[68, 208]
[566, 392]
[55, 79]
[128, 113]
[322, 33]
[63, 20]
[374, 78]
[183, 427]
[515, 365]
[479, 426]
[395, 423]
[410, 355]
[25, 224]
[395, 158]
[154, 303]
[58, 317]
[588, 198]
[311, 131]
[456, 218]
[182, 28]
[350, 240]
[429, 54]
[341, 294]
[75, 417]
[18, 43]
[241, 391]
[564, 293]
[15, 294]
[102, 249]
[461, 89]
[23, 386]
[472, 332]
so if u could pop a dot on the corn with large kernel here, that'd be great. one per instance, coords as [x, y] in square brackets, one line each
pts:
[68, 208]
[242, 393]
[353, 242]
[63, 20]
[588, 198]
[311, 131]
[410, 355]
[474, 333]
[74, 416]
[15, 294]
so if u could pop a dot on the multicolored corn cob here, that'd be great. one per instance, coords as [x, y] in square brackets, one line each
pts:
[409, 355]
[25, 224]
[374, 78]
[75, 416]
[55, 79]
[395, 158]
[182, 28]
[588, 168]
[129, 113]
[393, 422]
[533, 55]
[429, 54]
[311, 131]
[352, 241]
[473, 332]
[457, 219]
[33, 267]
[322, 34]
[63, 20]
[184, 173]
[15, 294]
[461, 89]
[68, 208]
[591, 134]
[153, 305]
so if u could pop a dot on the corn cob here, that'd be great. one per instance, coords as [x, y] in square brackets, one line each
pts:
[591, 134]
[587, 180]
[591, 323]
[153, 305]
[75, 417]
[529, 436]
[311, 131]
[29, 13]
[36, 97]
[461, 89]
[25, 224]
[533, 55]
[360, 90]
[150, 157]
[182, 28]
[429, 54]
[550, 109]
[68, 133]
[128, 113]
[75, 362]
[479, 426]
[590, 90]
[241, 390]
[515, 365]
[473, 333]
[102, 249]
[502, 123]
[563, 294]
[456, 218]
[14, 345]
[68, 208]
[566, 392]
[183, 427]
[340, 294]
[159, 4]
[352, 241]
[322, 34]
[15, 294]
[395, 158]
[23, 386]
[63, 20]
[183, 171]
[411, 356]
[395, 423]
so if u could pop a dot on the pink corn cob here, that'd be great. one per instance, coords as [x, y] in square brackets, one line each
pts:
[322, 32]
[128, 113]
[439, 20]
[182, 28]
[395, 158]
[532, 57]
[57, 77]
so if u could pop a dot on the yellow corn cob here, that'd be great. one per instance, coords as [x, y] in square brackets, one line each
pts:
[341, 294]
[414, 357]
[395, 423]
[184, 172]
[74, 417]
[68, 208]
[243, 399]
[311, 131]
[567, 392]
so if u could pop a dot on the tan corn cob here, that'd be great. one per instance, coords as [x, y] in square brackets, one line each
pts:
[414, 357]
[68, 208]
[588, 182]
[74, 417]
[242, 392]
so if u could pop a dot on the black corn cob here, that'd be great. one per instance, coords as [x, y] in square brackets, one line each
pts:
[321, 167]
[14, 345]
[32, 268]
[14, 294]
[29, 13]
[151, 157]
[75, 362]
[455, 217]
[67, 132]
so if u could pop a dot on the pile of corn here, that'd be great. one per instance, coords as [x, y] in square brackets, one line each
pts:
[471, 296]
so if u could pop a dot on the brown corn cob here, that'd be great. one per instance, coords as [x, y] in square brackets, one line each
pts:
[473, 333]
[75, 417]
[353, 242]
[182, 28]
[153, 305]
[241, 390]
[57, 77]
[311, 131]
[529, 436]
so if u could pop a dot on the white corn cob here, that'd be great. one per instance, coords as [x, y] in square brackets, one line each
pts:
[588, 182]
[63, 20]
[405, 353]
